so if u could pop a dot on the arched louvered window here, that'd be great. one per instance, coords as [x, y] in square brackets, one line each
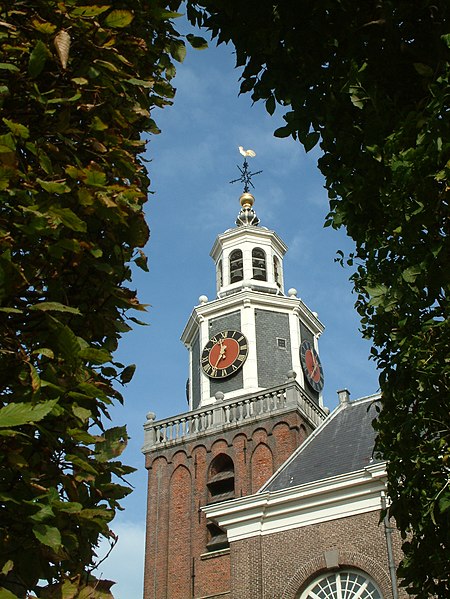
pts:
[220, 488]
[259, 264]
[277, 271]
[236, 266]
[219, 275]
[345, 584]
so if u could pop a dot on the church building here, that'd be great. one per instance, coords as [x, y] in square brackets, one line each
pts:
[257, 491]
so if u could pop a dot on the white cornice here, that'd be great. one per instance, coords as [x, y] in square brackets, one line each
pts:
[320, 501]
[257, 299]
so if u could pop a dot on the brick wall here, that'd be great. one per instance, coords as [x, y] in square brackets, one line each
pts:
[177, 565]
[279, 565]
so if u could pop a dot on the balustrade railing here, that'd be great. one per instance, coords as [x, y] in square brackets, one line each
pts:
[224, 414]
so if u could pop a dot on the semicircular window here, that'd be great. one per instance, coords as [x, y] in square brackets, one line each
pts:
[346, 584]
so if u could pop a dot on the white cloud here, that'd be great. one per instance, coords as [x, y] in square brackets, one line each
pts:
[125, 564]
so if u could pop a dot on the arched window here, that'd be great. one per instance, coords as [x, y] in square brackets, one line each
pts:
[221, 487]
[346, 584]
[219, 275]
[277, 271]
[236, 266]
[259, 264]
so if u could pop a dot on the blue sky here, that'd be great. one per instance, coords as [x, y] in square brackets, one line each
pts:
[192, 162]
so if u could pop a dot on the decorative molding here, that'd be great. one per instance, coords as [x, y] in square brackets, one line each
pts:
[321, 501]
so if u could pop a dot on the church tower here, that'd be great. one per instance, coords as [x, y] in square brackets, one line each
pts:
[255, 393]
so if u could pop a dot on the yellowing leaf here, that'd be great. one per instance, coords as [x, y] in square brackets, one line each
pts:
[43, 26]
[119, 18]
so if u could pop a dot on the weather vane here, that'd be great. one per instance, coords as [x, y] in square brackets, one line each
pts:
[246, 175]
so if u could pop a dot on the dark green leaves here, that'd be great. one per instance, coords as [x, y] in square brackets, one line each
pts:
[78, 86]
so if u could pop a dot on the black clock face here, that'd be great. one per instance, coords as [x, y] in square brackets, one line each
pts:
[311, 365]
[224, 354]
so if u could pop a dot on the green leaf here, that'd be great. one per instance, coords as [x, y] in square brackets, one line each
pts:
[5, 594]
[127, 373]
[95, 356]
[48, 535]
[270, 105]
[7, 144]
[54, 186]
[7, 566]
[199, 43]
[410, 274]
[81, 413]
[119, 18]
[309, 140]
[149, 83]
[17, 129]
[38, 56]
[283, 131]
[95, 177]
[423, 69]
[6, 66]
[17, 414]
[178, 50]
[89, 11]
[54, 307]
[66, 217]
[113, 444]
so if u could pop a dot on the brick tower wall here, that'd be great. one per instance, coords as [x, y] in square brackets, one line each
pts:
[178, 565]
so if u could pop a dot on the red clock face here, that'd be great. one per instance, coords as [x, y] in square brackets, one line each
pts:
[224, 354]
[311, 365]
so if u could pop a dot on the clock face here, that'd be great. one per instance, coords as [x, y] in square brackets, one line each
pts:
[224, 354]
[311, 366]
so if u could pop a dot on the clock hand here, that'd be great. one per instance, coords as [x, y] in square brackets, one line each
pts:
[223, 350]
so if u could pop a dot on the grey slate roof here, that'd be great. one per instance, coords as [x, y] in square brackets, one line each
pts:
[342, 444]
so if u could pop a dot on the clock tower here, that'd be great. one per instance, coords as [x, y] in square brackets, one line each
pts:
[255, 393]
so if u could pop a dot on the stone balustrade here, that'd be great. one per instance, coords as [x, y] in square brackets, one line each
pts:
[227, 414]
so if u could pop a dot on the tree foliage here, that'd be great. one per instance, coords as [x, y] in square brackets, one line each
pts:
[370, 82]
[77, 83]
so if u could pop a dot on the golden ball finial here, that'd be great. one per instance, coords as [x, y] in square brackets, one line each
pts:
[246, 199]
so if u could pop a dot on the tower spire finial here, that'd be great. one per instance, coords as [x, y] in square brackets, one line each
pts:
[246, 216]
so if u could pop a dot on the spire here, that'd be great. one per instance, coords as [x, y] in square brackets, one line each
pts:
[247, 216]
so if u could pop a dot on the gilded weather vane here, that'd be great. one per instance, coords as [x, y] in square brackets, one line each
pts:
[246, 175]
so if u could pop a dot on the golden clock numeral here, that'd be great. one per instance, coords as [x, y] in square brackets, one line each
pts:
[241, 357]
[234, 367]
[213, 371]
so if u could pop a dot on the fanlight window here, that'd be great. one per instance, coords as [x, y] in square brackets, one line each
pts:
[259, 264]
[236, 266]
[342, 585]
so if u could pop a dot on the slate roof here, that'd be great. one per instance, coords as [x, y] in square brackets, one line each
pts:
[342, 444]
